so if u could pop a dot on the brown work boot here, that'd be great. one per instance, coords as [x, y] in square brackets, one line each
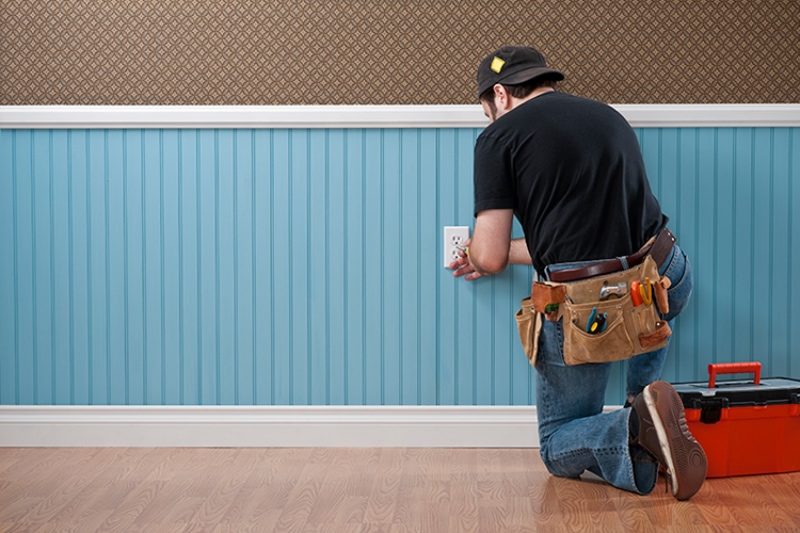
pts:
[663, 432]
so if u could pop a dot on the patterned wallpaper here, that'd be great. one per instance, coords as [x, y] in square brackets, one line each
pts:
[191, 52]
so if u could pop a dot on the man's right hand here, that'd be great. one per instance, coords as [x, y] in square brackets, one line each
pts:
[462, 266]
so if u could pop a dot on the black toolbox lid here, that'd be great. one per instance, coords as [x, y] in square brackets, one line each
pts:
[771, 391]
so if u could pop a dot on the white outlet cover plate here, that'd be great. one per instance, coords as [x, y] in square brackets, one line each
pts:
[453, 236]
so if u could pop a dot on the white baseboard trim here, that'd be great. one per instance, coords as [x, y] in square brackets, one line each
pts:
[269, 426]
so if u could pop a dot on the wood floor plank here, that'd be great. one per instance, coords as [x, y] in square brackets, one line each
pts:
[381, 506]
[262, 498]
[357, 491]
[465, 497]
[335, 489]
[123, 517]
[302, 498]
[61, 497]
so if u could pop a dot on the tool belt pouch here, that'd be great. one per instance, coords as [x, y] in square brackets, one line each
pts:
[529, 323]
[626, 329]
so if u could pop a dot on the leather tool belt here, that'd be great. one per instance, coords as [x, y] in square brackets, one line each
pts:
[658, 247]
[608, 313]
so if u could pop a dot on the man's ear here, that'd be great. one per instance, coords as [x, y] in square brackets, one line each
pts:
[503, 98]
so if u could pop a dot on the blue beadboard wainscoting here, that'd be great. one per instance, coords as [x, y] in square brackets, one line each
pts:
[301, 265]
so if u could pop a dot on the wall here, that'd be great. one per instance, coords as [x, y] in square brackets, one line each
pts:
[152, 261]
[301, 266]
[192, 52]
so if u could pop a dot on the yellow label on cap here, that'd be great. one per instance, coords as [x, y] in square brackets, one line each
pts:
[497, 64]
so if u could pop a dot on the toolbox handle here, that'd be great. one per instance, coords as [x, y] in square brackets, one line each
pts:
[733, 368]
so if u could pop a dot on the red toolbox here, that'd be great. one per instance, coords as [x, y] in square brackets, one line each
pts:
[745, 427]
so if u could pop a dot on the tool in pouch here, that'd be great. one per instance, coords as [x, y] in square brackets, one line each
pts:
[605, 318]
[597, 322]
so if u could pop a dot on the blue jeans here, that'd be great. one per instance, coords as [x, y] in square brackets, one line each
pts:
[574, 433]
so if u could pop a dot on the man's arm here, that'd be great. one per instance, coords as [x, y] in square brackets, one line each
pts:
[491, 248]
[519, 254]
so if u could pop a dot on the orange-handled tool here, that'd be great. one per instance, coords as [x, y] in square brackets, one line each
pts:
[636, 293]
[647, 292]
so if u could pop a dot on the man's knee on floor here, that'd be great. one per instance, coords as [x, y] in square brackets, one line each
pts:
[554, 467]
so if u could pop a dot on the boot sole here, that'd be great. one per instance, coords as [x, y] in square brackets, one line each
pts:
[677, 444]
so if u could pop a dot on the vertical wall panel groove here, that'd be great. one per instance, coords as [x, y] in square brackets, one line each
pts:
[304, 266]
[9, 350]
[162, 274]
[34, 272]
[793, 366]
[792, 291]
[70, 228]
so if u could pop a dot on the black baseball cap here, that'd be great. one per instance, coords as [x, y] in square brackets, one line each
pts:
[511, 65]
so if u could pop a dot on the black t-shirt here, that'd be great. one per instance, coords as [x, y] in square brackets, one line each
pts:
[572, 171]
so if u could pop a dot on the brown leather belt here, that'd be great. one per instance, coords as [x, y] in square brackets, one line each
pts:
[659, 247]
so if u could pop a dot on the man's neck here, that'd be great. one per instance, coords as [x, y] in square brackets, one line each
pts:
[536, 92]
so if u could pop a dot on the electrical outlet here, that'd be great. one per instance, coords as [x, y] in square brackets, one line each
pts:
[454, 236]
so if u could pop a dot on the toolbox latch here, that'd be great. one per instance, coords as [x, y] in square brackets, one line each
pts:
[711, 409]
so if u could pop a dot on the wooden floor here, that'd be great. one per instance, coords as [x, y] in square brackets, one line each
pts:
[357, 490]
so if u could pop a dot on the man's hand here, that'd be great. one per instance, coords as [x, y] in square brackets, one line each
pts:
[462, 266]
[488, 247]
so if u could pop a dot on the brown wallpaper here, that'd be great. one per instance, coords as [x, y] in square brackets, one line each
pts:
[194, 52]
